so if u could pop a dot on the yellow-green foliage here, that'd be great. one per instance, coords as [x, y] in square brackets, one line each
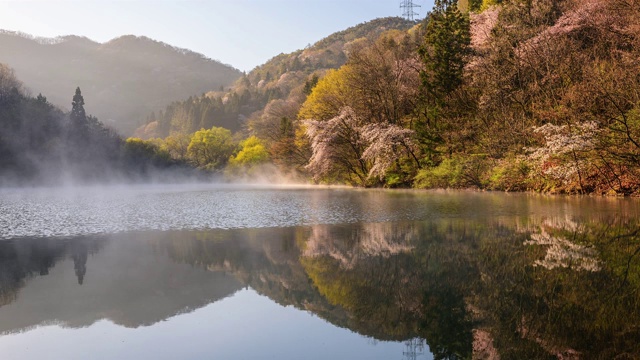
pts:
[252, 153]
[511, 174]
[488, 3]
[447, 174]
[211, 148]
[328, 97]
[148, 149]
[456, 172]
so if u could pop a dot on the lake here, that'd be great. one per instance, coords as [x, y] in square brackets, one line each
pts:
[268, 272]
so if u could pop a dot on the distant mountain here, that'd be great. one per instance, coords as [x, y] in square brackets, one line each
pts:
[286, 77]
[128, 77]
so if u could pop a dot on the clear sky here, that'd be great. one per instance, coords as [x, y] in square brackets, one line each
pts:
[242, 33]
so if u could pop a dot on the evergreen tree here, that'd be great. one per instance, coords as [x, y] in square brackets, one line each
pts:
[78, 116]
[444, 53]
[446, 45]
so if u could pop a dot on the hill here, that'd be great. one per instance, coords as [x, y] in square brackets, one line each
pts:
[285, 78]
[42, 145]
[131, 76]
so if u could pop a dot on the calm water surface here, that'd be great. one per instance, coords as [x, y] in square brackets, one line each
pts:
[230, 272]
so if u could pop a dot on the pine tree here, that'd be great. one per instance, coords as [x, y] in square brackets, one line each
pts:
[446, 45]
[444, 52]
[78, 116]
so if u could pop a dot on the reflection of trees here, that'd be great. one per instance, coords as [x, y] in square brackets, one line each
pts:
[479, 289]
[265, 259]
[128, 281]
[79, 255]
[413, 286]
[469, 288]
[22, 259]
[563, 310]
[352, 243]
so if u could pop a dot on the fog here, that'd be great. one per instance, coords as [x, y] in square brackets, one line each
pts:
[129, 77]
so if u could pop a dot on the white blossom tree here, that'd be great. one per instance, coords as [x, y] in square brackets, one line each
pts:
[563, 156]
[386, 145]
[337, 147]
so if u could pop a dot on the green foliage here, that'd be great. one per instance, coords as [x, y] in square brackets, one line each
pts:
[466, 6]
[510, 174]
[485, 4]
[329, 96]
[455, 172]
[252, 153]
[139, 151]
[310, 84]
[446, 45]
[447, 174]
[210, 149]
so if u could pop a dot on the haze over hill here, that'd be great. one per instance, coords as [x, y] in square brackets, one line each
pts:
[126, 78]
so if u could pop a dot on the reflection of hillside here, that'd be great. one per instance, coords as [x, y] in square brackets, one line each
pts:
[22, 259]
[468, 287]
[546, 305]
[410, 285]
[267, 260]
[123, 280]
[476, 288]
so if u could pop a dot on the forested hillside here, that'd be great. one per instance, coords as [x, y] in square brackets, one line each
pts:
[128, 76]
[41, 145]
[282, 81]
[518, 95]
[509, 95]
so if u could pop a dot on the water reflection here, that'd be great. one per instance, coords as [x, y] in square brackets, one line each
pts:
[451, 288]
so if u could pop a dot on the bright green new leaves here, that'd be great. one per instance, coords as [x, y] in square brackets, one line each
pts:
[252, 153]
[210, 149]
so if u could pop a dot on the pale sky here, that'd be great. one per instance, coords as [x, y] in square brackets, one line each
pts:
[241, 33]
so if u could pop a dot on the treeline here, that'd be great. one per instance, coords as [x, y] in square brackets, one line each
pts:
[525, 95]
[39, 144]
[504, 95]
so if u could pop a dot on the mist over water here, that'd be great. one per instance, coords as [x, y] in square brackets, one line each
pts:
[84, 210]
[347, 271]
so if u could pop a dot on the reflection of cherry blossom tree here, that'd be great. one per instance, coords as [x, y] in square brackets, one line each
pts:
[367, 240]
[561, 252]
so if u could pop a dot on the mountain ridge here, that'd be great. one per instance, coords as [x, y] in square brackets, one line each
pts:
[150, 72]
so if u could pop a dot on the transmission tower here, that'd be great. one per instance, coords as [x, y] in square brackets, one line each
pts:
[407, 9]
[415, 348]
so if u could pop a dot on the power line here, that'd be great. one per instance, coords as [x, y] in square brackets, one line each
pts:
[407, 9]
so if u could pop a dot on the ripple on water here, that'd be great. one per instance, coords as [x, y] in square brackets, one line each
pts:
[94, 210]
